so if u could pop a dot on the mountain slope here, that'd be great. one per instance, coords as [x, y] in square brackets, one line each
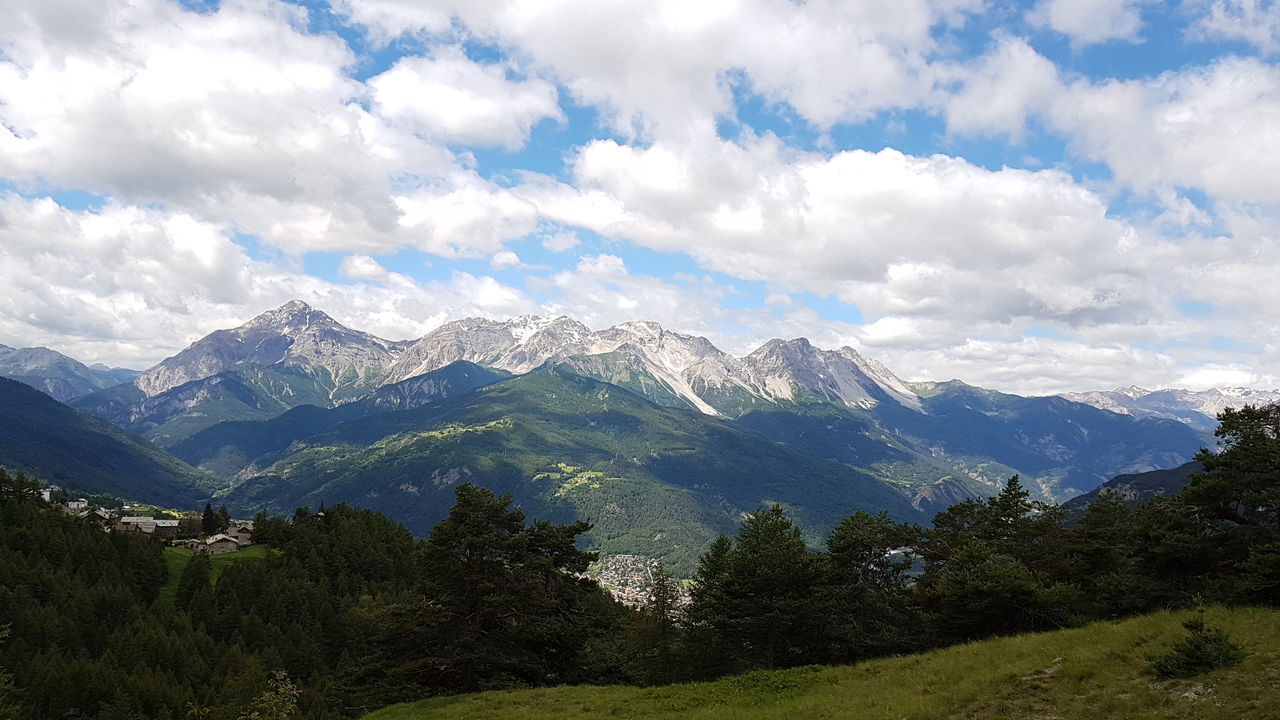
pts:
[1097, 672]
[61, 377]
[1061, 447]
[656, 481]
[55, 443]
[250, 392]
[1136, 487]
[227, 448]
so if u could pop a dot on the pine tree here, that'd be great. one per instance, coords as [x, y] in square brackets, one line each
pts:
[9, 709]
[654, 634]
[194, 578]
[209, 520]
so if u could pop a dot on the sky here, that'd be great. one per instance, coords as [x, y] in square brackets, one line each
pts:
[1035, 197]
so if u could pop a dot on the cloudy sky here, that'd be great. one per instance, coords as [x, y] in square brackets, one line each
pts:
[1030, 196]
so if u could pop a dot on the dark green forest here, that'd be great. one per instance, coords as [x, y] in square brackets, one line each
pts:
[348, 612]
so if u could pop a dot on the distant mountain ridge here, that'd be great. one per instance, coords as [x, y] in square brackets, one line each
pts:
[59, 376]
[834, 404]
[1199, 409]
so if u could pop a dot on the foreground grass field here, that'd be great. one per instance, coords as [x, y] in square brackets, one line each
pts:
[1092, 673]
[176, 559]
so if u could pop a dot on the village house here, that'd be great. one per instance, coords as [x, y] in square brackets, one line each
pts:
[166, 528]
[137, 523]
[219, 544]
[242, 532]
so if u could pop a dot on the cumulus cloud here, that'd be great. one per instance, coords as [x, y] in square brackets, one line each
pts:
[1088, 22]
[363, 267]
[1256, 22]
[128, 285]
[667, 66]
[1211, 128]
[451, 98]
[892, 233]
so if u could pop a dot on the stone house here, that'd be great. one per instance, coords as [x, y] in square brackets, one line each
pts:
[242, 532]
[219, 544]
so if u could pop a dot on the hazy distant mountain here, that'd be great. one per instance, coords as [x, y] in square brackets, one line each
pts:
[1199, 409]
[1136, 487]
[57, 375]
[55, 443]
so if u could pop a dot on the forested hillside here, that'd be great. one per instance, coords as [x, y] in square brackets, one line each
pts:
[346, 612]
[41, 436]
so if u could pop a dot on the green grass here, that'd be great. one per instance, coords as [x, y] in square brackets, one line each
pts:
[1092, 673]
[176, 559]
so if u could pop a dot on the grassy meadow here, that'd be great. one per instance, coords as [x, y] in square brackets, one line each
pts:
[176, 558]
[1096, 672]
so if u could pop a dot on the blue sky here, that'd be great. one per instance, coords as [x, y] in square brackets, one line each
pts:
[1033, 196]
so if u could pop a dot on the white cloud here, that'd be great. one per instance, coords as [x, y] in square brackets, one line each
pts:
[453, 99]
[1001, 89]
[243, 117]
[1088, 22]
[667, 67]
[1256, 22]
[891, 233]
[128, 286]
[363, 267]
[1211, 128]
[504, 259]
[560, 241]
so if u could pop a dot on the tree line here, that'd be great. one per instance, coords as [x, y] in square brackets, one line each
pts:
[348, 612]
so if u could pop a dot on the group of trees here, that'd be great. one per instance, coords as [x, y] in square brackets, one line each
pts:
[348, 611]
[1002, 565]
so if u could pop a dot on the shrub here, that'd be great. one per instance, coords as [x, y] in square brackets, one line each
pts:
[1206, 648]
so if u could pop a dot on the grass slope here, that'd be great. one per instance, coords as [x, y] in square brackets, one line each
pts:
[42, 437]
[176, 559]
[1093, 673]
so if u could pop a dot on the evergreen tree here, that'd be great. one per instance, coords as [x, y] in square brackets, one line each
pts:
[194, 579]
[511, 594]
[9, 709]
[765, 611]
[865, 595]
[1241, 482]
[224, 519]
[654, 650]
[209, 520]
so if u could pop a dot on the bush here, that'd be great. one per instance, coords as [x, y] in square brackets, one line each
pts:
[1206, 648]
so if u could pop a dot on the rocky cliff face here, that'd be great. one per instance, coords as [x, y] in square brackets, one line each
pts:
[294, 334]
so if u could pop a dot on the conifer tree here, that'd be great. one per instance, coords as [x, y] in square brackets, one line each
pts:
[209, 520]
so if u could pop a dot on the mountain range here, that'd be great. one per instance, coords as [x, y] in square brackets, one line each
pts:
[57, 375]
[660, 437]
[1199, 409]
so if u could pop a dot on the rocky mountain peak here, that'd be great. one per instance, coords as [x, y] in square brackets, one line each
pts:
[292, 334]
